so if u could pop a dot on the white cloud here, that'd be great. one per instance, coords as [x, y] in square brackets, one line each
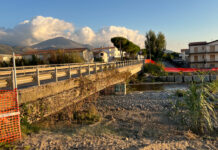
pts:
[41, 28]
[105, 34]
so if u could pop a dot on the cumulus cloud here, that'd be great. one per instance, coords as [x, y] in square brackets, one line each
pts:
[41, 28]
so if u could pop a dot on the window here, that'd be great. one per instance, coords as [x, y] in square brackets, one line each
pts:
[195, 58]
[212, 57]
[196, 49]
[212, 48]
[203, 48]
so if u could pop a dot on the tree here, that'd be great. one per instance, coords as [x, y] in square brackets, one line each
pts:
[124, 45]
[155, 45]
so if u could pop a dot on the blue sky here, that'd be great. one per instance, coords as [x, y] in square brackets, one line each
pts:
[182, 21]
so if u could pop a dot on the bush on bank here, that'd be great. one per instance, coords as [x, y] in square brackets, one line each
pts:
[197, 109]
[154, 69]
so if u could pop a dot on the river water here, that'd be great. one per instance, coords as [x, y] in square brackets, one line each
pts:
[157, 86]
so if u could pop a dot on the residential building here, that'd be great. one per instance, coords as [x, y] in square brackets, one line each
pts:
[45, 54]
[101, 56]
[184, 54]
[7, 57]
[112, 52]
[203, 54]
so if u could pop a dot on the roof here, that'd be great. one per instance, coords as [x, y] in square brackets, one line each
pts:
[212, 42]
[101, 48]
[54, 50]
[184, 50]
[197, 43]
[201, 43]
[9, 55]
[97, 52]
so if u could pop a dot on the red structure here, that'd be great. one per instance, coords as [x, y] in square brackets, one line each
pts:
[171, 69]
[9, 116]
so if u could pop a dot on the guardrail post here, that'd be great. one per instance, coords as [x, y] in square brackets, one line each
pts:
[95, 68]
[80, 71]
[89, 69]
[12, 80]
[69, 72]
[56, 74]
[37, 77]
[101, 67]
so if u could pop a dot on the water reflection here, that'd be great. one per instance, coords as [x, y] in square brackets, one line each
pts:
[157, 86]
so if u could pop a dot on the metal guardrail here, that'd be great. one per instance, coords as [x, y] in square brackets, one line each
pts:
[36, 74]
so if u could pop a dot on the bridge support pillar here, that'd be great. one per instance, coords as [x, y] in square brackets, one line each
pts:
[120, 89]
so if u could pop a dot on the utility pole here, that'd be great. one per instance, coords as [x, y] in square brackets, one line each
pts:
[14, 69]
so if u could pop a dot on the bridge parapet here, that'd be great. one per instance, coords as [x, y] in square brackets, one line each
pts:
[36, 75]
[42, 101]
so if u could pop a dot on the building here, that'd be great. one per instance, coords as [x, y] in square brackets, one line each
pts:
[46, 54]
[112, 53]
[203, 54]
[184, 54]
[101, 56]
[7, 57]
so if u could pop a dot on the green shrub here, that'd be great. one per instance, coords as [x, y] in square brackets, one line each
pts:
[154, 69]
[88, 117]
[196, 110]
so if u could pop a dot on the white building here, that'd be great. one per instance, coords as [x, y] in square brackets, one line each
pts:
[7, 57]
[112, 52]
[184, 54]
[203, 54]
[101, 56]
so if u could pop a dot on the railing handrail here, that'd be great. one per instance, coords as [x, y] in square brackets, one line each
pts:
[31, 74]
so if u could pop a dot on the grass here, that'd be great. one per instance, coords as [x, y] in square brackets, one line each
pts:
[196, 109]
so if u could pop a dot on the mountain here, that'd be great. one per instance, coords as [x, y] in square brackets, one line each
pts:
[59, 43]
[6, 49]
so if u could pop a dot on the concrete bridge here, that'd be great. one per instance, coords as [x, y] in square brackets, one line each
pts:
[45, 90]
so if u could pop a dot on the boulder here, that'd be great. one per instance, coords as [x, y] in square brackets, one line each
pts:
[179, 79]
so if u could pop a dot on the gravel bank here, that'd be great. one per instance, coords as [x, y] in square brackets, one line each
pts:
[134, 121]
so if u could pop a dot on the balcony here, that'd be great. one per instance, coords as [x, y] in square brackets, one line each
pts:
[205, 61]
[204, 52]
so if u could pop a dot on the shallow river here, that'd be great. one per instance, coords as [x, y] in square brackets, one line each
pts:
[157, 86]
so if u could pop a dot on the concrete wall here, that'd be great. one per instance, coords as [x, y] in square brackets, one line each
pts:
[44, 100]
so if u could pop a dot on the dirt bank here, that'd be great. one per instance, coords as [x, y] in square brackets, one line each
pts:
[135, 121]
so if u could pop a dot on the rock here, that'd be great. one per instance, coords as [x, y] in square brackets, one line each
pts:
[179, 79]
[125, 139]
[187, 79]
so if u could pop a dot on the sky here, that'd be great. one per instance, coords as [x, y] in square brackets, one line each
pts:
[27, 22]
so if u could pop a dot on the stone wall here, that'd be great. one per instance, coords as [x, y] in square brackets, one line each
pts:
[186, 78]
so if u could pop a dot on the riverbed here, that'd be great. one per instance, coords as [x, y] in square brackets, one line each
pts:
[138, 120]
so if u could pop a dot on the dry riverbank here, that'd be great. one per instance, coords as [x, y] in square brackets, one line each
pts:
[135, 121]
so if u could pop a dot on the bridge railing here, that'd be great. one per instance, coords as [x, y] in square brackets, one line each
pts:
[36, 75]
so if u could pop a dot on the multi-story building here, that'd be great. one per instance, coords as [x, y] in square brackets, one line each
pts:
[203, 54]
